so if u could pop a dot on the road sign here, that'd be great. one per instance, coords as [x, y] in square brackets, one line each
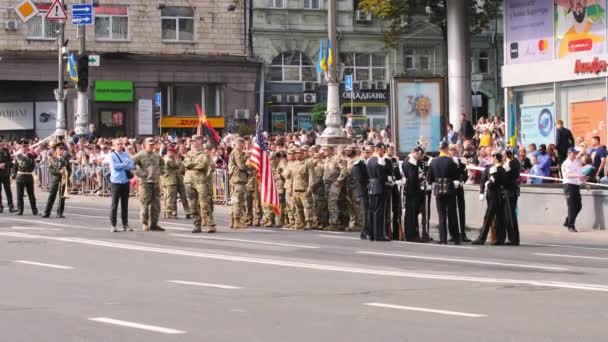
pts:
[94, 60]
[477, 101]
[82, 14]
[348, 82]
[476, 80]
[26, 10]
[158, 99]
[56, 12]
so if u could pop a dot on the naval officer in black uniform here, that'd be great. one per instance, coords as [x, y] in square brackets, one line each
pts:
[444, 177]
[463, 177]
[413, 192]
[376, 168]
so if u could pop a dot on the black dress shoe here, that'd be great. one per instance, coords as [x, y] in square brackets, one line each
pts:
[457, 242]
[442, 242]
[477, 242]
[20, 213]
[157, 228]
[46, 216]
[465, 239]
[35, 212]
[497, 243]
[572, 229]
[60, 216]
[12, 209]
[196, 230]
[566, 223]
[512, 243]
[188, 216]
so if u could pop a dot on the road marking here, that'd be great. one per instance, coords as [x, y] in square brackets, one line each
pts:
[467, 261]
[226, 287]
[310, 266]
[339, 237]
[567, 246]
[46, 223]
[413, 308]
[571, 256]
[406, 242]
[33, 228]
[137, 325]
[43, 264]
[245, 241]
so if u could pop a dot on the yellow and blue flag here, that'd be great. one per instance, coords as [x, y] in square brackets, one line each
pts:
[321, 58]
[512, 129]
[73, 67]
[330, 57]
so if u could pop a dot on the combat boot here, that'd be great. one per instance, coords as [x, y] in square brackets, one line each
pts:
[197, 230]
[145, 228]
[309, 225]
[211, 230]
[239, 225]
[268, 224]
[11, 209]
[332, 228]
[231, 223]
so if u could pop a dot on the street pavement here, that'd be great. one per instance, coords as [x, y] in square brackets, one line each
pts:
[73, 280]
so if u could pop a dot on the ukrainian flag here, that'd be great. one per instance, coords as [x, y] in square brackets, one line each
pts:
[330, 57]
[321, 59]
[512, 129]
[72, 67]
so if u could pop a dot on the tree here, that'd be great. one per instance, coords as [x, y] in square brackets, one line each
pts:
[318, 114]
[399, 15]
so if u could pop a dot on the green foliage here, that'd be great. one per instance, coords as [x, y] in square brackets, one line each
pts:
[318, 113]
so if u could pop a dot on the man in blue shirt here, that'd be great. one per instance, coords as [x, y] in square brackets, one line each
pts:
[120, 162]
[544, 161]
[598, 156]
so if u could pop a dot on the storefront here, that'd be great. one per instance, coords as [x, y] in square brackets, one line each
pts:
[181, 127]
[27, 109]
[113, 104]
[559, 72]
[369, 107]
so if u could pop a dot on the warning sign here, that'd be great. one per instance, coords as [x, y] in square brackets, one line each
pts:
[56, 12]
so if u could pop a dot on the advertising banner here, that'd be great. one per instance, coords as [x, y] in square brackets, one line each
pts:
[304, 121]
[16, 116]
[537, 124]
[46, 118]
[144, 117]
[580, 27]
[419, 110]
[113, 91]
[588, 119]
[279, 122]
[529, 30]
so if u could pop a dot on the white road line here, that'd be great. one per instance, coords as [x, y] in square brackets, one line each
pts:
[137, 325]
[33, 228]
[43, 264]
[339, 237]
[311, 266]
[571, 256]
[406, 242]
[245, 241]
[46, 223]
[218, 286]
[466, 261]
[413, 308]
[567, 246]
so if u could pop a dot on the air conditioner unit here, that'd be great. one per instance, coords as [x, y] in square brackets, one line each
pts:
[241, 114]
[380, 85]
[11, 25]
[293, 98]
[309, 86]
[365, 85]
[310, 98]
[363, 17]
[276, 98]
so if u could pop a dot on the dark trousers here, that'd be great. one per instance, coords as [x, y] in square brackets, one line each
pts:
[26, 182]
[413, 202]
[497, 209]
[573, 199]
[513, 233]
[376, 217]
[56, 188]
[120, 192]
[462, 223]
[5, 182]
[396, 213]
[446, 211]
[425, 210]
[366, 228]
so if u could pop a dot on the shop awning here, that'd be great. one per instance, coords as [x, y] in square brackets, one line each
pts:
[189, 122]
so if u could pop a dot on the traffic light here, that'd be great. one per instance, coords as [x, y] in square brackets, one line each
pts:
[83, 73]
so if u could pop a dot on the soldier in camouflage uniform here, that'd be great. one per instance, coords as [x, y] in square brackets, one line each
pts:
[253, 208]
[150, 166]
[210, 221]
[318, 193]
[23, 172]
[181, 187]
[288, 186]
[281, 164]
[197, 163]
[356, 211]
[169, 179]
[237, 170]
[59, 166]
[6, 163]
[334, 174]
[302, 179]
[343, 199]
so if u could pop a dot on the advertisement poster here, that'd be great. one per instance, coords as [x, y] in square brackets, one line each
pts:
[304, 121]
[537, 124]
[529, 30]
[588, 119]
[580, 27]
[144, 115]
[16, 116]
[419, 109]
[279, 122]
[46, 117]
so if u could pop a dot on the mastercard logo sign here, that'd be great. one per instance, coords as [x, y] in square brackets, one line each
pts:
[543, 45]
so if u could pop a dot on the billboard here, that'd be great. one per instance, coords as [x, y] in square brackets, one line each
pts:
[46, 118]
[588, 119]
[418, 107]
[16, 116]
[537, 124]
[529, 30]
[580, 27]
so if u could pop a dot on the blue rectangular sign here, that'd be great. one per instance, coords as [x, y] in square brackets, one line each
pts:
[158, 99]
[82, 14]
[348, 82]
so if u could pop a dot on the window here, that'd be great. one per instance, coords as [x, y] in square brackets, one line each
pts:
[111, 23]
[418, 59]
[184, 99]
[213, 100]
[292, 66]
[312, 4]
[279, 3]
[409, 59]
[364, 66]
[484, 61]
[40, 28]
[177, 24]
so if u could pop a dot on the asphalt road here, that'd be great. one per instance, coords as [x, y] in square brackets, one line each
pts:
[73, 280]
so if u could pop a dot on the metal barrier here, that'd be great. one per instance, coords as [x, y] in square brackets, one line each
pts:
[221, 187]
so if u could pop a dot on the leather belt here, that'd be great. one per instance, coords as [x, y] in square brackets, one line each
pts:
[24, 173]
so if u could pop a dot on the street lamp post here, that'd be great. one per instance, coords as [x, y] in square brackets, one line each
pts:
[61, 121]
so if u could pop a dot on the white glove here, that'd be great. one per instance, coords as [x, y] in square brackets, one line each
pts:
[463, 160]
[457, 184]
[455, 159]
[381, 161]
[493, 170]
[482, 197]
[492, 179]
[506, 167]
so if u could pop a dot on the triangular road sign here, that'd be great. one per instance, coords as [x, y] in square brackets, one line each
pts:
[56, 12]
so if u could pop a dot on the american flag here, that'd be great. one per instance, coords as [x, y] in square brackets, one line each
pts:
[260, 161]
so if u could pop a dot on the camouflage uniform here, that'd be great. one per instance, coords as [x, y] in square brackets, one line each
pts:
[253, 208]
[149, 168]
[197, 164]
[209, 182]
[280, 183]
[302, 193]
[181, 188]
[169, 179]
[288, 185]
[333, 172]
[356, 211]
[321, 218]
[237, 170]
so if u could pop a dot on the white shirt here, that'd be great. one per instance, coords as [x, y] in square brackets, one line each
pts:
[572, 168]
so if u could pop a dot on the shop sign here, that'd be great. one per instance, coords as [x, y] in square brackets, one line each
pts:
[189, 122]
[114, 91]
[16, 116]
[371, 96]
[596, 66]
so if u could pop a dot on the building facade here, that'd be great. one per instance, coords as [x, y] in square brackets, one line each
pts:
[189, 52]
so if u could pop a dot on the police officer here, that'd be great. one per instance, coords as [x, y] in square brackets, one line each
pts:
[511, 191]
[59, 167]
[23, 172]
[150, 165]
[444, 177]
[361, 188]
[376, 168]
[413, 193]
[6, 164]
[463, 176]
[491, 187]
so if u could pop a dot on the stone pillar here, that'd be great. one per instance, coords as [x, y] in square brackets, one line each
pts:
[459, 61]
